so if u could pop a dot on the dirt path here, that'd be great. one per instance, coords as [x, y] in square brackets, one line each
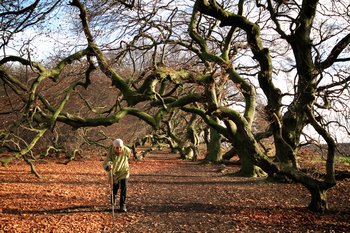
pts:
[164, 195]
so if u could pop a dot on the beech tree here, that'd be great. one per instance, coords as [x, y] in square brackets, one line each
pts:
[293, 23]
[216, 61]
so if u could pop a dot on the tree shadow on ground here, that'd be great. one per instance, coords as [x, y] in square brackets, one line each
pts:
[67, 210]
[222, 209]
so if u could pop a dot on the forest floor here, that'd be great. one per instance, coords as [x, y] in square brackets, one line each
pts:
[165, 194]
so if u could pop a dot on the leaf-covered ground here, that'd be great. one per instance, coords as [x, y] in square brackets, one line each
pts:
[164, 195]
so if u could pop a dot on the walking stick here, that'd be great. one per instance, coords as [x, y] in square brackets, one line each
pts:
[112, 198]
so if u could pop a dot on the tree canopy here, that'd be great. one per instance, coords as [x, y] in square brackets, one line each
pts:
[209, 68]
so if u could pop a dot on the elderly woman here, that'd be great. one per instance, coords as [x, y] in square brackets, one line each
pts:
[117, 162]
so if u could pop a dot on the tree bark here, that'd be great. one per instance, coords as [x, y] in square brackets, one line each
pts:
[248, 169]
[214, 153]
[229, 154]
[318, 200]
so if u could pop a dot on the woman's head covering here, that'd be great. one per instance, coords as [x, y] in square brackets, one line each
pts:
[118, 142]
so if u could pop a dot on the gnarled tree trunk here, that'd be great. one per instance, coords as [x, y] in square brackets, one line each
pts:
[214, 152]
